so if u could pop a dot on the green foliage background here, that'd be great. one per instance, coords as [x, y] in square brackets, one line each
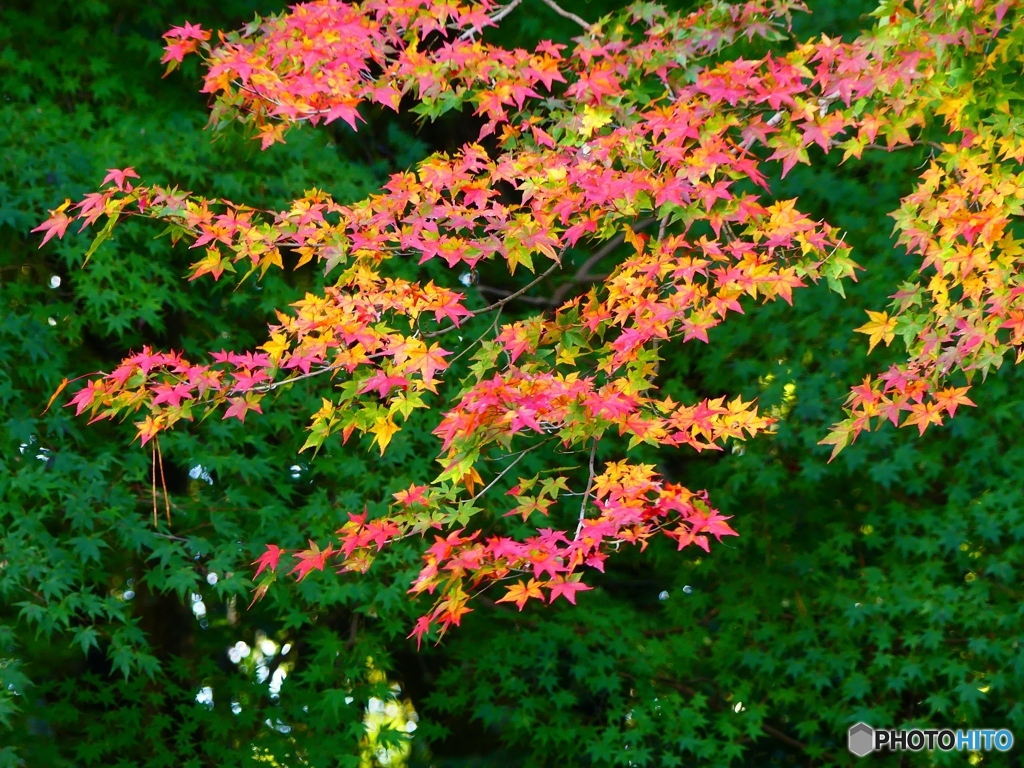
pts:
[882, 587]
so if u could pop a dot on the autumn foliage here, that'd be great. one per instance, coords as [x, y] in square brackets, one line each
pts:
[651, 135]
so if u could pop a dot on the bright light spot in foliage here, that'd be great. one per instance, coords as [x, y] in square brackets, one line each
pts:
[663, 595]
[51, 321]
[199, 609]
[268, 647]
[199, 472]
[205, 696]
[285, 648]
[278, 726]
[236, 708]
[55, 282]
[392, 714]
[212, 578]
[43, 454]
[238, 651]
[277, 680]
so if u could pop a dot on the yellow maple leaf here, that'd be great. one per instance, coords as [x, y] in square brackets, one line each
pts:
[520, 592]
[881, 328]
[384, 429]
[594, 118]
[277, 346]
[471, 479]
[951, 108]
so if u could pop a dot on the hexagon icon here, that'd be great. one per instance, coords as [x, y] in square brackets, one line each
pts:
[861, 739]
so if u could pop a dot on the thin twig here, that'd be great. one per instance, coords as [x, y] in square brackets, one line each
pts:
[838, 144]
[506, 469]
[498, 304]
[765, 728]
[583, 273]
[470, 33]
[153, 486]
[777, 734]
[163, 481]
[586, 493]
[274, 385]
[172, 538]
[535, 300]
[566, 14]
[478, 339]
[334, 367]
[504, 301]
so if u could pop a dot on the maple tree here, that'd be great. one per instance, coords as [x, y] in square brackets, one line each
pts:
[647, 134]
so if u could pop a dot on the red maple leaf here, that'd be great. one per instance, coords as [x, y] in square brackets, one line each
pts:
[567, 589]
[120, 178]
[268, 559]
[310, 559]
[240, 406]
[57, 224]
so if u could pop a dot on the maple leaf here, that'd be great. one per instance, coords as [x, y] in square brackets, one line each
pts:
[416, 494]
[172, 395]
[429, 361]
[120, 178]
[85, 397]
[951, 397]
[520, 592]
[383, 383]
[148, 428]
[240, 406]
[421, 628]
[567, 589]
[713, 522]
[310, 559]
[268, 559]
[57, 224]
[924, 414]
[790, 155]
[383, 430]
[880, 328]
[346, 110]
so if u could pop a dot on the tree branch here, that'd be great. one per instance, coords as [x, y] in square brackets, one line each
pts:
[586, 493]
[470, 33]
[583, 273]
[274, 385]
[566, 14]
[535, 300]
[506, 469]
[768, 730]
[498, 304]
